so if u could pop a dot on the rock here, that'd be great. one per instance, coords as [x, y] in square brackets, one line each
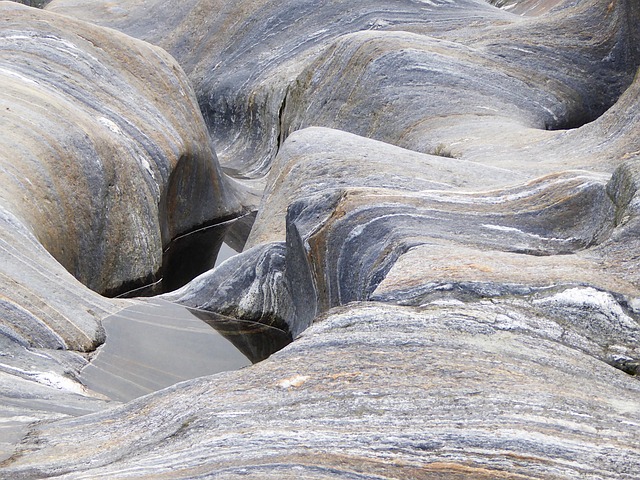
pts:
[456, 391]
[446, 206]
[429, 94]
[528, 7]
[39, 384]
[318, 161]
[249, 286]
[262, 70]
[104, 160]
[355, 244]
[243, 59]
[102, 165]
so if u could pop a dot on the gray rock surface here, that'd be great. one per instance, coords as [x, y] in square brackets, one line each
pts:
[262, 69]
[243, 59]
[446, 221]
[104, 156]
[314, 161]
[250, 286]
[104, 160]
[374, 391]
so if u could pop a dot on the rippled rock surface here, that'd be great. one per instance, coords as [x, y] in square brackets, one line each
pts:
[105, 160]
[445, 197]
[459, 391]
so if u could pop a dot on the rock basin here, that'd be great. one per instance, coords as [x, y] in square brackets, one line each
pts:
[439, 199]
[155, 344]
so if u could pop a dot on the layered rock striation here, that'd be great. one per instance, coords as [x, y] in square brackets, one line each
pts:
[104, 161]
[105, 155]
[373, 391]
[262, 70]
[445, 198]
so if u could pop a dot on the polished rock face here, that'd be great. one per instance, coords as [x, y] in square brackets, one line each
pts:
[445, 197]
[458, 391]
[104, 161]
[425, 75]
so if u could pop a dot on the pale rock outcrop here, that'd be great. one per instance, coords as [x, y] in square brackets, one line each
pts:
[104, 160]
[263, 69]
[446, 196]
[242, 57]
[476, 390]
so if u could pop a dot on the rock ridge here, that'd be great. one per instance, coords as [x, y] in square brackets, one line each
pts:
[437, 201]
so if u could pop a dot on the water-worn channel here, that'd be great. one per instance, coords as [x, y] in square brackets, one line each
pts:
[155, 344]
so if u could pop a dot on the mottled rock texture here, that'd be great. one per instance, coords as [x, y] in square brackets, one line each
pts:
[446, 220]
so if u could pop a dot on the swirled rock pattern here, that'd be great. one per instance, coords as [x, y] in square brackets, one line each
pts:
[104, 160]
[243, 100]
[446, 220]
[101, 165]
[536, 72]
[442, 391]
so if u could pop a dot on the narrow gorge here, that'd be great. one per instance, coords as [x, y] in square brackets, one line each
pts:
[427, 211]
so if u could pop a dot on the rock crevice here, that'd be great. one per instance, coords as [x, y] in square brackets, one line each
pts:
[437, 201]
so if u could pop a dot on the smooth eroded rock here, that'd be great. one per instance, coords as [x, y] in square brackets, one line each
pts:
[373, 390]
[445, 197]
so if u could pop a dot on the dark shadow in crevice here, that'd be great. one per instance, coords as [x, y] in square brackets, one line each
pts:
[239, 231]
[183, 259]
[594, 108]
[191, 254]
[630, 366]
[257, 341]
[574, 121]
